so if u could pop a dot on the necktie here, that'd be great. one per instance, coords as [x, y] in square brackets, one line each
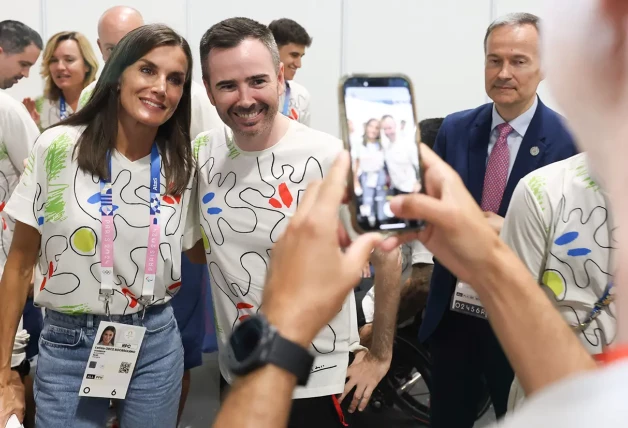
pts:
[496, 175]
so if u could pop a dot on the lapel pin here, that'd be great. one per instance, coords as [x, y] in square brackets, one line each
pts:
[534, 151]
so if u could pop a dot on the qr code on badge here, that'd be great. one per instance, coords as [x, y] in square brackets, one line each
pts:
[124, 367]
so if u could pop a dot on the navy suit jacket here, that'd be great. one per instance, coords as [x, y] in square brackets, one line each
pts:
[462, 142]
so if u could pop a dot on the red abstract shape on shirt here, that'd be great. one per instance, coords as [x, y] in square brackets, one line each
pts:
[172, 199]
[130, 295]
[285, 195]
[50, 270]
[294, 115]
[243, 305]
[4, 223]
[175, 285]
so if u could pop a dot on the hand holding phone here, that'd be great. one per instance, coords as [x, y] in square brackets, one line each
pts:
[378, 121]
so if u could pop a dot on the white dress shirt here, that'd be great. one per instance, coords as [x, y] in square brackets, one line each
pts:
[519, 125]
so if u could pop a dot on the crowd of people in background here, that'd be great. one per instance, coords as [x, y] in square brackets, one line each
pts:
[216, 158]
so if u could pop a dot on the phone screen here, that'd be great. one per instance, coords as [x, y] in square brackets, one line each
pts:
[380, 128]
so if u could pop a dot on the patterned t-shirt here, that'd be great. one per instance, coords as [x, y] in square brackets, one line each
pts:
[18, 133]
[50, 112]
[63, 204]
[558, 223]
[298, 105]
[247, 200]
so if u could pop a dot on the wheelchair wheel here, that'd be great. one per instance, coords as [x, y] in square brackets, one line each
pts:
[407, 383]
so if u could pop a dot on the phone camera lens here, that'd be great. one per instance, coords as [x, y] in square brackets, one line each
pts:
[366, 83]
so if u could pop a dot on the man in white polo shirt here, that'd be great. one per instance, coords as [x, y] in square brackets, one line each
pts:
[292, 41]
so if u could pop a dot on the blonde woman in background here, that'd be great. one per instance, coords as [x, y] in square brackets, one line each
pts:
[68, 66]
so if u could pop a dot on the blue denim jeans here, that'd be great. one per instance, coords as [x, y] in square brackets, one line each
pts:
[65, 344]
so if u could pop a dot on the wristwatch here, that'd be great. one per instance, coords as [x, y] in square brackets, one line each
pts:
[23, 368]
[255, 343]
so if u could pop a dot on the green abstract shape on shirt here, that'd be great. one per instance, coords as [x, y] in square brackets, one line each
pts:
[206, 244]
[29, 164]
[200, 142]
[56, 156]
[81, 309]
[54, 163]
[39, 104]
[4, 153]
[554, 282]
[84, 98]
[84, 240]
[583, 172]
[233, 149]
[54, 209]
[537, 184]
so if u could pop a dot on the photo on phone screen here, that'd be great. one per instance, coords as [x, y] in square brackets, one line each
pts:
[380, 129]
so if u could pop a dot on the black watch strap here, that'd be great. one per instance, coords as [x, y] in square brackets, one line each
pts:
[292, 358]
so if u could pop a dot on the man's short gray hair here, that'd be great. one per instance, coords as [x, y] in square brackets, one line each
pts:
[512, 19]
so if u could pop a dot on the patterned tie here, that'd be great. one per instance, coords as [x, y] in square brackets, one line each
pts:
[496, 175]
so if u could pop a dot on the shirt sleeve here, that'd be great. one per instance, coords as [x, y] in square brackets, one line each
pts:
[420, 254]
[305, 117]
[20, 134]
[525, 229]
[191, 231]
[26, 204]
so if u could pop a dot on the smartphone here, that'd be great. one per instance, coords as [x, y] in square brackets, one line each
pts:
[378, 124]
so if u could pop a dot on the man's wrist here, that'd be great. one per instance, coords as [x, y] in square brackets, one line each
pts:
[5, 376]
[498, 269]
[289, 327]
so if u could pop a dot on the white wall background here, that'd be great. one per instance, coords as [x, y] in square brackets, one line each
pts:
[438, 44]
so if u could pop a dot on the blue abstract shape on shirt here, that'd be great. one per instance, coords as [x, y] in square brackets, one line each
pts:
[40, 220]
[95, 199]
[207, 199]
[575, 252]
[566, 238]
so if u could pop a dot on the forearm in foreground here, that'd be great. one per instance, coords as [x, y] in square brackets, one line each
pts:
[261, 399]
[539, 344]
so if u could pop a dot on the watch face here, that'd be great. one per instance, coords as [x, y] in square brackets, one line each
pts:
[246, 338]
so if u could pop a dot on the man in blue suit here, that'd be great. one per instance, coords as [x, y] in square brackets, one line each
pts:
[492, 147]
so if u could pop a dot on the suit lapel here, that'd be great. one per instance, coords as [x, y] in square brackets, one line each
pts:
[479, 136]
[530, 153]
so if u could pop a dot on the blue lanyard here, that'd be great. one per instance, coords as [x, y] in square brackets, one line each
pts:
[602, 302]
[286, 103]
[62, 112]
[152, 249]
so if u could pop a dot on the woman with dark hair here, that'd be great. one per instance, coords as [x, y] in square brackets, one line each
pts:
[102, 210]
[370, 173]
[108, 336]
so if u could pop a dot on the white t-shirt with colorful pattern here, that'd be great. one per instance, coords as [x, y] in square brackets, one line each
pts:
[298, 105]
[558, 223]
[18, 133]
[246, 202]
[63, 204]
